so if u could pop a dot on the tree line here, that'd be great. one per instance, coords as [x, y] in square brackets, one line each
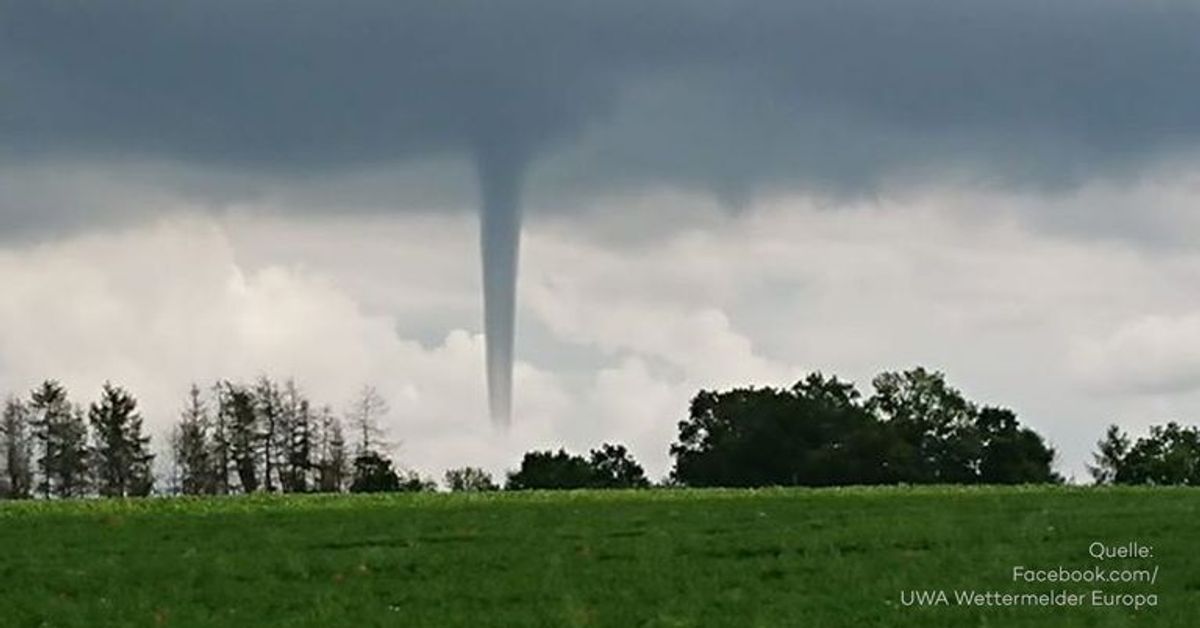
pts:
[266, 436]
[55, 448]
[915, 428]
[1168, 455]
[269, 437]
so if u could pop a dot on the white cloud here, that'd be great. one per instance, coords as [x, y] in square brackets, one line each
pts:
[1151, 354]
[157, 308]
[1072, 333]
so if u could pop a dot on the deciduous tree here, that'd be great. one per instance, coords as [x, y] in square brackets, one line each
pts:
[365, 417]
[469, 479]
[614, 467]
[550, 470]
[373, 473]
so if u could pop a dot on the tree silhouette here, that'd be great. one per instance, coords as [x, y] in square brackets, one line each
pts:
[239, 416]
[1012, 454]
[413, 482]
[610, 466]
[935, 423]
[373, 473]
[551, 470]
[816, 433]
[61, 437]
[17, 448]
[1110, 456]
[296, 439]
[916, 429]
[333, 462]
[469, 479]
[220, 439]
[269, 411]
[191, 449]
[1169, 454]
[121, 457]
[364, 418]
[614, 467]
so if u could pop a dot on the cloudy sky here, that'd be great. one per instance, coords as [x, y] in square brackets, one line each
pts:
[713, 194]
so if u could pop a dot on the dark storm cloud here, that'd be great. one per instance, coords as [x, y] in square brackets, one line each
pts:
[108, 106]
[730, 96]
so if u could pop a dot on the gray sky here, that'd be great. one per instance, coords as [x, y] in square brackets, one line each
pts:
[717, 193]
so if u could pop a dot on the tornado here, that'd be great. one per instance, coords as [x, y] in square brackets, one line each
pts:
[500, 175]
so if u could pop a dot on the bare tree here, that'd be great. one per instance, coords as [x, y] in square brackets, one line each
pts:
[333, 463]
[469, 479]
[17, 448]
[364, 418]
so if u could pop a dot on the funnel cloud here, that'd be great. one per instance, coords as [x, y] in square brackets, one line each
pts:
[500, 175]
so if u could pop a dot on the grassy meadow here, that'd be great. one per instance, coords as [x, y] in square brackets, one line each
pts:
[780, 557]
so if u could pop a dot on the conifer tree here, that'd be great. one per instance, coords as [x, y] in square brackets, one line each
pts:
[192, 449]
[219, 455]
[120, 452]
[60, 438]
[296, 440]
[237, 407]
[74, 468]
[16, 448]
[268, 407]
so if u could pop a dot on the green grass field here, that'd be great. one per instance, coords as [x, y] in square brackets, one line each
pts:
[651, 558]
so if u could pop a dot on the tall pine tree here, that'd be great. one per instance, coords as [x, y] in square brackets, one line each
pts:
[191, 447]
[242, 434]
[268, 406]
[60, 438]
[120, 452]
[220, 456]
[296, 440]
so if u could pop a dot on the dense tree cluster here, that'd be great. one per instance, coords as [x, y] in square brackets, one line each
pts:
[49, 450]
[610, 466]
[469, 480]
[1169, 454]
[915, 428]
